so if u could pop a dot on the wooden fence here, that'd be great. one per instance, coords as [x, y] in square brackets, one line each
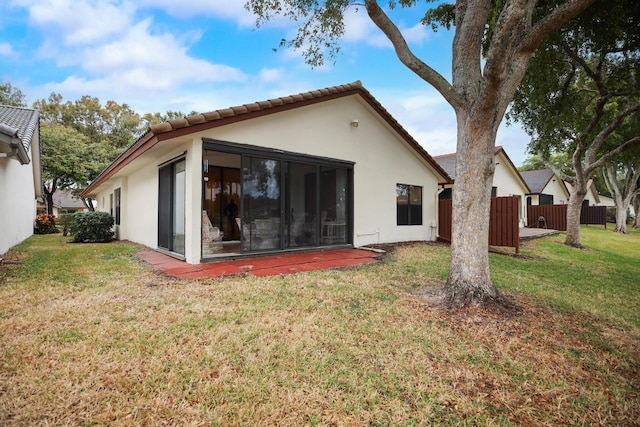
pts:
[503, 221]
[554, 217]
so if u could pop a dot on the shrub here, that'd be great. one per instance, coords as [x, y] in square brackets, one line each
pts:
[92, 227]
[45, 224]
[65, 220]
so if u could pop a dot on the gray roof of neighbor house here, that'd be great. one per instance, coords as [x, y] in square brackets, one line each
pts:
[66, 200]
[17, 128]
[199, 122]
[448, 163]
[537, 180]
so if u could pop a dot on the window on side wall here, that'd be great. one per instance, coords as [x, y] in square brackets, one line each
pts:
[117, 196]
[409, 204]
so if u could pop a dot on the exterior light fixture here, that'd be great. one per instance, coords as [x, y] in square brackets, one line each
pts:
[354, 123]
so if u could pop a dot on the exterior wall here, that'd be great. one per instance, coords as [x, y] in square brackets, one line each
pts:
[508, 184]
[591, 196]
[382, 160]
[17, 202]
[554, 188]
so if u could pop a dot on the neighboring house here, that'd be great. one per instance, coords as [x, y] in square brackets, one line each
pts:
[546, 188]
[64, 200]
[609, 202]
[325, 168]
[592, 197]
[507, 181]
[20, 173]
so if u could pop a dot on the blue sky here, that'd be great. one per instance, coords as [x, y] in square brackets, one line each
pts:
[202, 55]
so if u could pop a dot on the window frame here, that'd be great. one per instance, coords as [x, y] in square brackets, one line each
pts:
[414, 211]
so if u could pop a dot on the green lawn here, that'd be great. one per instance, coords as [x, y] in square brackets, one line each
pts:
[89, 335]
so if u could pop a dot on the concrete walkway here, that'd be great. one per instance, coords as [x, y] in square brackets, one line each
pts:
[269, 265]
[533, 233]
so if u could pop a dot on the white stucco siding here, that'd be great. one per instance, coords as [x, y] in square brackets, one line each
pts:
[382, 160]
[554, 188]
[17, 202]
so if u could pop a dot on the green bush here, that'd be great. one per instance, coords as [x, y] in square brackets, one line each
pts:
[65, 220]
[45, 224]
[92, 227]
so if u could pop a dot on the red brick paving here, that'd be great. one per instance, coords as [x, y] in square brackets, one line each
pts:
[270, 265]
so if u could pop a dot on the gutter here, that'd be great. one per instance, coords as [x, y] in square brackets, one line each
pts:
[9, 138]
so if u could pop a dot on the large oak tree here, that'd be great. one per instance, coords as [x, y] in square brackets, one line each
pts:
[492, 46]
[581, 96]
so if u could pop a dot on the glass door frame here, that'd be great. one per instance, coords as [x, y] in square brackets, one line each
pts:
[245, 150]
[172, 205]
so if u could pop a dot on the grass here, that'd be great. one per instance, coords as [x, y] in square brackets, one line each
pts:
[91, 336]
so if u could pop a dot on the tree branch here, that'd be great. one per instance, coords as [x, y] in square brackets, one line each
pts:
[615, 152]
[408, 58]
[609, 129]
[554, 20]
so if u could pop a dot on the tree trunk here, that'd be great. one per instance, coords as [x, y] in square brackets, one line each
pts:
[636, 210]
[48, 196]
[574, 209]
[88, 202]
[621, 219]
[469, 282]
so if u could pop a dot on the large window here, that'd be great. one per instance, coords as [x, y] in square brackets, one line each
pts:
[409, 204]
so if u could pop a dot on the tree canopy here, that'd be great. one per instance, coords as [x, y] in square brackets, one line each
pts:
[581, 94]
[12, 96]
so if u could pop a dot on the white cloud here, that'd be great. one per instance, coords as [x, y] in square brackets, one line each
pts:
[77, 23]
[270, 74]
[6, 49]
[223, 9]
[111, 54]
[360, 28]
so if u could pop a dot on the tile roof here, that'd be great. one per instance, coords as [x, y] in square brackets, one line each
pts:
[537, 180]
[199, 122]
[21, 124]
[240, 110]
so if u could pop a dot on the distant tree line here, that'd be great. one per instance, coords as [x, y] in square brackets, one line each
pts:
[81, 138]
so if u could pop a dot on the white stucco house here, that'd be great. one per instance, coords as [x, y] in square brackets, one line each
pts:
[65, 201]
[546, 188]
[592, 198]
[507, 181]
[20, 173]
[319, 169]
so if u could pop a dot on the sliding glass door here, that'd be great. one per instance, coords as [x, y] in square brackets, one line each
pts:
[286, 200]
[261, 203]
[171, 207]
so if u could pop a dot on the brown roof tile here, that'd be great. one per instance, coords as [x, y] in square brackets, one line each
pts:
[156, 132]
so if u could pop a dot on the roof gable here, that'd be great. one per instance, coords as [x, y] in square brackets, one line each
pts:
[448, 163]
[216, 118]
